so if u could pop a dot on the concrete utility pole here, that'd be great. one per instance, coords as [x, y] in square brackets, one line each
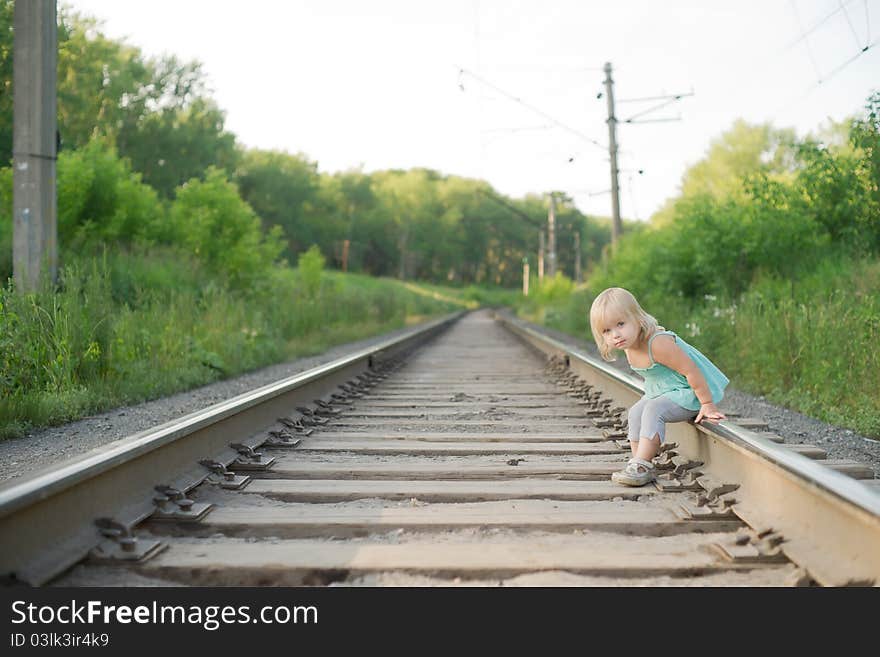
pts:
[525, 277]
[34, 146]
[616, 227]
[577, 256]
[551, 238]
[345, 245]
[540, 257]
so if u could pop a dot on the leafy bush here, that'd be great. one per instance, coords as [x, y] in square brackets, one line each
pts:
[209, 220]
[310, 267]
[100, 199]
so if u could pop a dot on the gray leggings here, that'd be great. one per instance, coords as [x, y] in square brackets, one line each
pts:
[648, 417]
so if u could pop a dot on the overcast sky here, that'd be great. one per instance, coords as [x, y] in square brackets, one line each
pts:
[378, 84]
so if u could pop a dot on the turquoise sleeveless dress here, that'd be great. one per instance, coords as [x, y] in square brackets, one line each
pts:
[662, 380]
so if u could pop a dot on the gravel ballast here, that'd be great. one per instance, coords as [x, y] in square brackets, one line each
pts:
[44, 448]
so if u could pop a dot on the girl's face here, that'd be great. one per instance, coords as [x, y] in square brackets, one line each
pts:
[620, 332]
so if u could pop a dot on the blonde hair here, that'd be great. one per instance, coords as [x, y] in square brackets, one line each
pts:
[620, 303]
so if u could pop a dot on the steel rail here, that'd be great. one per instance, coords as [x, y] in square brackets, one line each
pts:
[47, 521]
[829, 522]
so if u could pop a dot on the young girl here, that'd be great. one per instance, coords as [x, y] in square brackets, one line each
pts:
[680, 382]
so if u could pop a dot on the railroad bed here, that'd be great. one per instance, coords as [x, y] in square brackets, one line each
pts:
[479, 460]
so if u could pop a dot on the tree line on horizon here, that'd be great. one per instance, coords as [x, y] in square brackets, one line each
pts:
[137, 131]
[146, 161]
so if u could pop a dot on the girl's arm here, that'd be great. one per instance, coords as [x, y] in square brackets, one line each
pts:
[667, 353]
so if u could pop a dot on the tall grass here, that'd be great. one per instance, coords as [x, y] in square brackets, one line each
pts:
[127, 327]
[810, 345]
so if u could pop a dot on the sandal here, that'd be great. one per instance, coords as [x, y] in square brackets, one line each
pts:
[637, 472]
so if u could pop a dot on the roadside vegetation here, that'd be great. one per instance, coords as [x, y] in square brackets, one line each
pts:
[768, 261]
[127, 327]
[187, 257]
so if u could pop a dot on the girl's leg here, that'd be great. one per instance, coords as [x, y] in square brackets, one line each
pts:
[657, 412]
[648, 448]
[633, 424]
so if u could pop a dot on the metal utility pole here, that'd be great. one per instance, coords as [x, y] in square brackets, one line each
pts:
[551, 238]
[616, 227]
[540, 257]
[34, 145]
[577, 256]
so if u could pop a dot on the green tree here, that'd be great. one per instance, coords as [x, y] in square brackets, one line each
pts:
[100, 199]
[209, 220]
[740, 151]
[97, 80]
[6, 42]
[281, 188]
[173, 145]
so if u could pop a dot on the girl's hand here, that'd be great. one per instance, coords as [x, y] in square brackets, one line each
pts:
[710, 413]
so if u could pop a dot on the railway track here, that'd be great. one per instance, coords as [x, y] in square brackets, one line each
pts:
[474, 450]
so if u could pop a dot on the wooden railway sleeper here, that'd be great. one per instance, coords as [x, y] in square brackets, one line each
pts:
[363, 385]
[312, 417]
[715, 503]
[598, 408]
[682, 474]
[685, 467]
[122, 544]
[670, 482]
[173, 504]
[717, 510]
[295, 424]
[614, 418]
[351, 391]
[715, 489]
[321, 404]
[282, 438]
[341, 399]
[750, 546]
[222, 477]
[664, 461]
[325, 408]
[666, 455]
[250, 459]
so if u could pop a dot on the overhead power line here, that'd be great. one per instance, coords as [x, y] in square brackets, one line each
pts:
[806, 33]
[519, 213]
[804, 37]
[556, 122]
[668, 100]
[847, 62]
[849, 22]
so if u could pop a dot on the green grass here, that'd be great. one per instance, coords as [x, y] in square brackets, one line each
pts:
[470, 296]
[810, 346]
[129, 327]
